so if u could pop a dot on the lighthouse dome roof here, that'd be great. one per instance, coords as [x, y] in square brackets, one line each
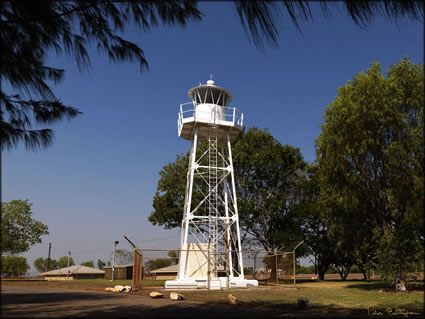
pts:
[204, 89]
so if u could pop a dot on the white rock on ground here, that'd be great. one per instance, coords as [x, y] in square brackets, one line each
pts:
[176, 296]
[232, 299]
[155, 294]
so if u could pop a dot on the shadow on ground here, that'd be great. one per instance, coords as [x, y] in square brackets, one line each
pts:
[54, 303]
[413, 286]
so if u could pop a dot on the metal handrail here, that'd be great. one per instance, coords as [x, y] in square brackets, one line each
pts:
[230, 114]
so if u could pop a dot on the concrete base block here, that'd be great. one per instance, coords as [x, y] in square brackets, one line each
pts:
[215, 284]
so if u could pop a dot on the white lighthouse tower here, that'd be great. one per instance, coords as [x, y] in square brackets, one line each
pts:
[210, 246]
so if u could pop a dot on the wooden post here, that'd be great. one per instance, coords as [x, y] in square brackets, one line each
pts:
[293, 262]
[277, 276]
[255, 266]
[141, 267]
[133, 283]
[137, 268]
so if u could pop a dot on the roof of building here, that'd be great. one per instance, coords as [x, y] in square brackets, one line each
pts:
[172, 268]
[119, 266]
[73, 270]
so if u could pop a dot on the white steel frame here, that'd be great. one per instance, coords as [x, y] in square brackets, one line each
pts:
[212, 175]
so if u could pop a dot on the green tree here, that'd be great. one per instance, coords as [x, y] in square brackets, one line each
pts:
[123, 257]
[63, 262]
[306, 269]
[284, 263]
[332, 235]
[157, 263]
[19, 231]
[89, 263]
[267, 174]
[342, 233]
[174, 256]
[168, 201]
[31, 29]
[100, 264]
[169, 197]
[14, 266]
[371, 158]
[40, 264]
[315, 230]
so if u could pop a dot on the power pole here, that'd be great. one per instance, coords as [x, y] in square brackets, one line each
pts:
[48, 257]
[67, 274]
[113, 258]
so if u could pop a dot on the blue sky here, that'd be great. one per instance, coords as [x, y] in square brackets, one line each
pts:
[97, 181]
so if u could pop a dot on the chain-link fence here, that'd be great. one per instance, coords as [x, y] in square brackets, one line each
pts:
[266, 267]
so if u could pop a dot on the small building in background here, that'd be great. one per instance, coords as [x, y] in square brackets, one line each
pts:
[166, 273]
[74, 273]
[121, 272]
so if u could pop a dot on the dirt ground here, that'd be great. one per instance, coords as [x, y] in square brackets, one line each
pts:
[40, 302]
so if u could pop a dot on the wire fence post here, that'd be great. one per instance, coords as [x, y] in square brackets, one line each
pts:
[293, 268]
[137, 268]
[137, 265]
[277, 276]
[209, 260]
[293, 259]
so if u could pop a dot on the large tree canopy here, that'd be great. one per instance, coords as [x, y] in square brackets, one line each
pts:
[19, 231]
[40, 264]
[266, 174]
[262, 19]
[371, 159]
[32, 29]
[14, 266]
[63, 262]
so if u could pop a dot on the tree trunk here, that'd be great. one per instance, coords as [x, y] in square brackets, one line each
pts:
[273, 273]
[321, 269]
[364, 272]
[343, 270]
[342, 273]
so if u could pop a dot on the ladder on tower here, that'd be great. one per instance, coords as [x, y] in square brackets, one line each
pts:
[213, 201]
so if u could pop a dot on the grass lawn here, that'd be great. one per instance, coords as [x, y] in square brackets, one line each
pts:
[356, 295]
[323, 295]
